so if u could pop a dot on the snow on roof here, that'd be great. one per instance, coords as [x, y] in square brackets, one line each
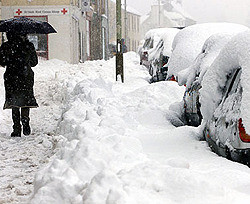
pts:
[178, 8]
[173, 15]
[234, 55]
[129, 8]
[156, 3]
[189, 41]
[132, 10]
[143, 18]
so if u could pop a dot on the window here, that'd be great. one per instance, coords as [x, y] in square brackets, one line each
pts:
[40, 41]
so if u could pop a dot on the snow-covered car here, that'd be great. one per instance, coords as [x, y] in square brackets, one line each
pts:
[188, 44]
[225, 96]
[193, 75]
[151, 39]
[160, 55]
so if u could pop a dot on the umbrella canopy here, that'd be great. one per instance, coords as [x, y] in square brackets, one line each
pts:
[23, 25]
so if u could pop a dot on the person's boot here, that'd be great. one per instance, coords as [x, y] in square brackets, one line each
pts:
[26, 125]
[16, 130]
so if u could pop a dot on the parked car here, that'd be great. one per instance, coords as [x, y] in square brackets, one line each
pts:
[151, 40]
[225, 96]
[160, 55]
[194, 75]
[188, 44]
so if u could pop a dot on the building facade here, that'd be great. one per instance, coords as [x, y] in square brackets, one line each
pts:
[130, 26]
[99, 30]
[168, 14]
[66, 16]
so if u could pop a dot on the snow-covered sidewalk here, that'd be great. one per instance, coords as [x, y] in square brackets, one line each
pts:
[20, 158]
[99, 141]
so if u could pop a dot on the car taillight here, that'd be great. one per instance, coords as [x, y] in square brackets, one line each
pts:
[172, 78]
[242, 132]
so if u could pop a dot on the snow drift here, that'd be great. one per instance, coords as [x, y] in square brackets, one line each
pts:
[117, 146]
[234, 55]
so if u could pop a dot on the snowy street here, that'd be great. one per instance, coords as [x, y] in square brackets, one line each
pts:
[96, 141]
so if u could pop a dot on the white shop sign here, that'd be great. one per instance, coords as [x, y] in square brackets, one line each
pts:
[39, 12]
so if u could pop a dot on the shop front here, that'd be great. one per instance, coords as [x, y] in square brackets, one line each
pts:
[68, 44]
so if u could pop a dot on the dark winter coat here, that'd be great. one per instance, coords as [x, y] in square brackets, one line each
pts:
[18, 55]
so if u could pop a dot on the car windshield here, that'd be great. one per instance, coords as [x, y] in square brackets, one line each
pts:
[147, 43]
[233, 80]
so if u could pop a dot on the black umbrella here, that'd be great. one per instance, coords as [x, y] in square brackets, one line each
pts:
[23, 25]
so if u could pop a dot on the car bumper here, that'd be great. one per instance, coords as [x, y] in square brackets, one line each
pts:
[238, 155]
[192, 119]
[241, 155]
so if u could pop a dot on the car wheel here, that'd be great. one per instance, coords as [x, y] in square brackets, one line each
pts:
[228, 153]
[150, 70]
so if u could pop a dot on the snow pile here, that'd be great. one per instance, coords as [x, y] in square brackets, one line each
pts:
[97, 124]
[165, 44]
[119, 148]
[189, 41]
[234, 55]
[210, 51]
[113, 143]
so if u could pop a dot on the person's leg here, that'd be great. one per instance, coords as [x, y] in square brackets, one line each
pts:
[25, 120]
[16, 120]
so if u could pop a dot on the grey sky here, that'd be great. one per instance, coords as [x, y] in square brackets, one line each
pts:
[235, 11]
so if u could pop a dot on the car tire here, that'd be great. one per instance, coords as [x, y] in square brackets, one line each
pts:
[150, 70]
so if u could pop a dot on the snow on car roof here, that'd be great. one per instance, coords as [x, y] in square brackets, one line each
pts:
[234, 55]
[189, 41]
[167, 37]
[210, 51]
[156, 33]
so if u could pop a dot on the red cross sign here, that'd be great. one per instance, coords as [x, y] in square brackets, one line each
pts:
[64, 11]
[18, 12]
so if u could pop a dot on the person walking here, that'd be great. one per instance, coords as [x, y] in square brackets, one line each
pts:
[18, 55]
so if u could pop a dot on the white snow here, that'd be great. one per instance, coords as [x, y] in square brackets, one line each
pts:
[112, 143]
[165, 48]
[129, 8]
[210, 51]
[234, 55]
[156, 34]
[189, 41]
[20, 158]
